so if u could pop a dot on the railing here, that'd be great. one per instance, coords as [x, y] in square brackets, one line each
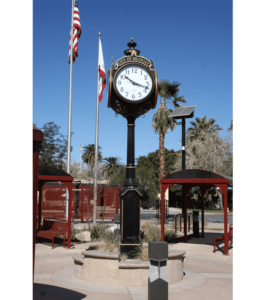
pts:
[180, 216]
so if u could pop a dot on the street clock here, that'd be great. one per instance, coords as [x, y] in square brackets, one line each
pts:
[132, 92]
[132, 84]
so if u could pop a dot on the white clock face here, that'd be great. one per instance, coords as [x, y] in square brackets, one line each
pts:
[133, 83]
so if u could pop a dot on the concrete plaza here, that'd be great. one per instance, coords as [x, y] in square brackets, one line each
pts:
[208, 275]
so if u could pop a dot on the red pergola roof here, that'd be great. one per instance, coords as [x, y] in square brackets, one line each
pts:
[194, 175]
[48, 173]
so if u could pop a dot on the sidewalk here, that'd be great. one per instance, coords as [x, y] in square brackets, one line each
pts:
[208, 275]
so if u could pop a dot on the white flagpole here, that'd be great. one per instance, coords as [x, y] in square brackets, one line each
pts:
[96, 147]
[69, 113]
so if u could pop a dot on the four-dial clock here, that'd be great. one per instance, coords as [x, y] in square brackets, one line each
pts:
[133, 83]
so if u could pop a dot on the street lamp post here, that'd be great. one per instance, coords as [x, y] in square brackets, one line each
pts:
[183, 113]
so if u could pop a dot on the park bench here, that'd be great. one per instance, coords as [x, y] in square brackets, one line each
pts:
[58, 228]
[219, 239]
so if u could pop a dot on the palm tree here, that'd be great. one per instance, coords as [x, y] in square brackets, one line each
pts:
[162, 123]
[88, 156]
[202, 127]
[111, 165]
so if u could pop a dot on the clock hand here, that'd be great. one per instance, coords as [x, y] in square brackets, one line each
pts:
[145, 87]
[135, 83]
[130, 80]
[139, 84]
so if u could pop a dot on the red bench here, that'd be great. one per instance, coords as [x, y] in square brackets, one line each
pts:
[58, 228]
[229, 237]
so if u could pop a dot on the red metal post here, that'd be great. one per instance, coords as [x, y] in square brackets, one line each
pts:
[104, 204]
[37, 139]
[224, 191]
[117, 200]
[88, 201]
[82, 202]
[35, 189]
[162, 203]
[223, 188]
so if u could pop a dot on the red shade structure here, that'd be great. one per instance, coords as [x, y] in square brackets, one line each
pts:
[17, 277]
[53, 201]
[195, 177]
[52, 174]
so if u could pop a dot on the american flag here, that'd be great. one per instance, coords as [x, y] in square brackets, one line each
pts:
[76, 35]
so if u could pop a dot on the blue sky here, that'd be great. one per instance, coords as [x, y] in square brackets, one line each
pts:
[189, 42]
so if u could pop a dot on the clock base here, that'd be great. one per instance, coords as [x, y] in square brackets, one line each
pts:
[130, 205]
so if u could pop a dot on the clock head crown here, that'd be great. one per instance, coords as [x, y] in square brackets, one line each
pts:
[131, 51]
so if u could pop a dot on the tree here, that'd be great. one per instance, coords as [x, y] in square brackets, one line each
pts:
[78, 174]
[53, 150]
[111, 166]
[200, 127]
[147, 170]
[119, 176]
[229, 162]
[88, 156]
[211, 153]
[162, 123]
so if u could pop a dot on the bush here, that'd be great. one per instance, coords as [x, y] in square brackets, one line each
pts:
[152, 231]
[141, 253]
[98, 232]
[170, 235]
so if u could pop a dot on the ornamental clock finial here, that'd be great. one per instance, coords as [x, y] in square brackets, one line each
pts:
[131, 51]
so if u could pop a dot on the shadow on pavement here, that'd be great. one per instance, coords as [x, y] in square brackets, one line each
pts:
[50, 292]
[58, 243]
[207, 240]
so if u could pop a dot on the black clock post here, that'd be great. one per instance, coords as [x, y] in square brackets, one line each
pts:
[131, 108]
[131, 198]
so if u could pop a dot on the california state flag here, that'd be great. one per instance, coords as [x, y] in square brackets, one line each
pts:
[102, 73]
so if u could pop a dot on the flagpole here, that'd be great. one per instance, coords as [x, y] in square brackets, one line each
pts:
[96, 148]
[69, 113]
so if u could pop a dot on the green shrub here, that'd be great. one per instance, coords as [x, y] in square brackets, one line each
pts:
[152, 231]
[108, 236]
[141, 253]
[98, 232]
[169, 235]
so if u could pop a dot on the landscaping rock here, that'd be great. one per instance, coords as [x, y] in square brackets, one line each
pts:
[83, 236]
[111, 228]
